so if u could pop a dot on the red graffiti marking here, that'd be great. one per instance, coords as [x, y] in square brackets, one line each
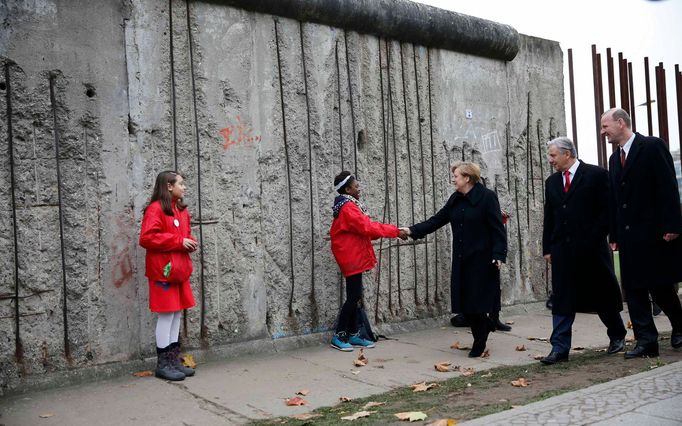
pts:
[238, 133]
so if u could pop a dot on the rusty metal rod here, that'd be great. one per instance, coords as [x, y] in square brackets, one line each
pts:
[203, 331]
[662, 105]
[631, 91]
[174, 130]
[352, 110]
[65, 307]
[288, 172]
[433, 169]
[571, 83]
[387, 206]
[611, 78]
[310, 170]
[597, 109]
[647, 83]
[678, 86]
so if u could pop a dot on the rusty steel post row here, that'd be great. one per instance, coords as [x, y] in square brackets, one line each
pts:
[571, 83]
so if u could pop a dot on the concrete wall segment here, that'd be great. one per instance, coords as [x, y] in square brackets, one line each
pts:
[144, 86]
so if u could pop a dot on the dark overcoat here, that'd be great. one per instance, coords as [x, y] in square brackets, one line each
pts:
[645, 205]
[478, 238]
[575, 234]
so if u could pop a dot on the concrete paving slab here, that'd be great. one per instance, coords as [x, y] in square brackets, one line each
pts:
[670, 408]
[636, 419]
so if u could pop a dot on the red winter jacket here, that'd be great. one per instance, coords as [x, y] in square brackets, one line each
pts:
[163, 241]
[352, 233]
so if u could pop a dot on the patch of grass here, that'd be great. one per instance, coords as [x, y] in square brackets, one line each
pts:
[488, 391]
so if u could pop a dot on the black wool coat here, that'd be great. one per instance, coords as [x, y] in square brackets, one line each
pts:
[645, 205]
[575, 232]
[478, 238]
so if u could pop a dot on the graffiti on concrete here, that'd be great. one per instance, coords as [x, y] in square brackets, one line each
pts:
[238, 133]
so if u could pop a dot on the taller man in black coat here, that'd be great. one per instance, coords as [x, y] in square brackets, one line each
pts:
[645, 227]
[574, 240]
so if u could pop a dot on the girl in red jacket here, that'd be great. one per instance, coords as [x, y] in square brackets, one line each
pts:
[351, 234]
[167, 237]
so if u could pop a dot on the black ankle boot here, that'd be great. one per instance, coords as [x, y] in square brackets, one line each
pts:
[177, 362]
[480, 328]
[164, 367]
[497, 324]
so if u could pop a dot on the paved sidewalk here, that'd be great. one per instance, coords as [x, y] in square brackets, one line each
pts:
[650, 398]
[234, 390]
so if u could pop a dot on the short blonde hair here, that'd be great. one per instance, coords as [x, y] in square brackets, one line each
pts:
[466, 168]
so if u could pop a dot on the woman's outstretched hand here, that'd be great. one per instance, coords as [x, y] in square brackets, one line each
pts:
[403, 233]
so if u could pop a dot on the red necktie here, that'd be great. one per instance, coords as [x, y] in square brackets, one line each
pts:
[567, 184]
[622, 157]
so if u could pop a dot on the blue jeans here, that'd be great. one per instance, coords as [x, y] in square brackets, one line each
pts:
[562, 324]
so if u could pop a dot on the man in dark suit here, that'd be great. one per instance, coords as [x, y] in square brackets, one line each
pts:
[645, 226]
[574, 240]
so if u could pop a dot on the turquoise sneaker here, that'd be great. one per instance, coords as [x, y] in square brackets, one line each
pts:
[338, 342]
[356, 340]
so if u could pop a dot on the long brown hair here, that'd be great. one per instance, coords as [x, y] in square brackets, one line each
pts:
[162, 194]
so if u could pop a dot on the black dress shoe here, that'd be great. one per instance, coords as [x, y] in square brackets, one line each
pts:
[459, 320]
[642, 352]
[676, 340]
[615, 346]
[554, 357]
[499, 325]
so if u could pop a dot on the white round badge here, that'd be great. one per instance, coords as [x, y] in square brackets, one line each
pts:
[176, 223]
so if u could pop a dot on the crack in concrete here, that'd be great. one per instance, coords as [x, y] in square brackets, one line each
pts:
[211, 406]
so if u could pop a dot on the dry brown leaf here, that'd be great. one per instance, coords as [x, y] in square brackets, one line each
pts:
[412, 416]
[460, 346]
[538, 357]
[46, 415]
[443, 367]
[295, 401]
[467, 371]
[629, 325]
[358, 415]
[303, 392]
[422, 387]
[144, 373]
[345, 399]
[579, 348]
[520, 383]
[362, 360]
[372, 404]
[443, 422]
[188, 361]
[485, 354]
[509, 322]
[521, 348]
[306, 416]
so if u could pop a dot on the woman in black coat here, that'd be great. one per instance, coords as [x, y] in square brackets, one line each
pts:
[479, 247]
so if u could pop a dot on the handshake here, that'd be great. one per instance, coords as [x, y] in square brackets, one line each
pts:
[404, 233]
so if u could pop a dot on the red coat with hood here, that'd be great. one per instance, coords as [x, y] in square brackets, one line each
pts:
[352, 233]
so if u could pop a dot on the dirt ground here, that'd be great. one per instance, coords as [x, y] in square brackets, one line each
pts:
[464, 398]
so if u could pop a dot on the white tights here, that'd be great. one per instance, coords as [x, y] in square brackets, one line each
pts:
[167, 328]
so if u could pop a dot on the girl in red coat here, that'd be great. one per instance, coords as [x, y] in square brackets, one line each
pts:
[167, 237]
[351, 234]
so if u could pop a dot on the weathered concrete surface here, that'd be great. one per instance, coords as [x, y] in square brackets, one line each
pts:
[259, 113]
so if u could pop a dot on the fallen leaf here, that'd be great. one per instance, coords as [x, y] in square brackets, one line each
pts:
[600, 350]
[355, 372]
[188, 361]
[46, 415]
[467, 371]
[521, 348]
[295, 401]
[539, 339]
[459, 346]
[358, 415]
[345, 399]
[509, 322]
[443, 367]
[629, 325]
[578, 348]
[538, 357]
[306, 416]
[422, 387]
[362, 360]
[144, 373]
[520, 382]
[372, 404]
[412, 416]
[485, 354]
[443, 422]
[303, 392]
[488, 374]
